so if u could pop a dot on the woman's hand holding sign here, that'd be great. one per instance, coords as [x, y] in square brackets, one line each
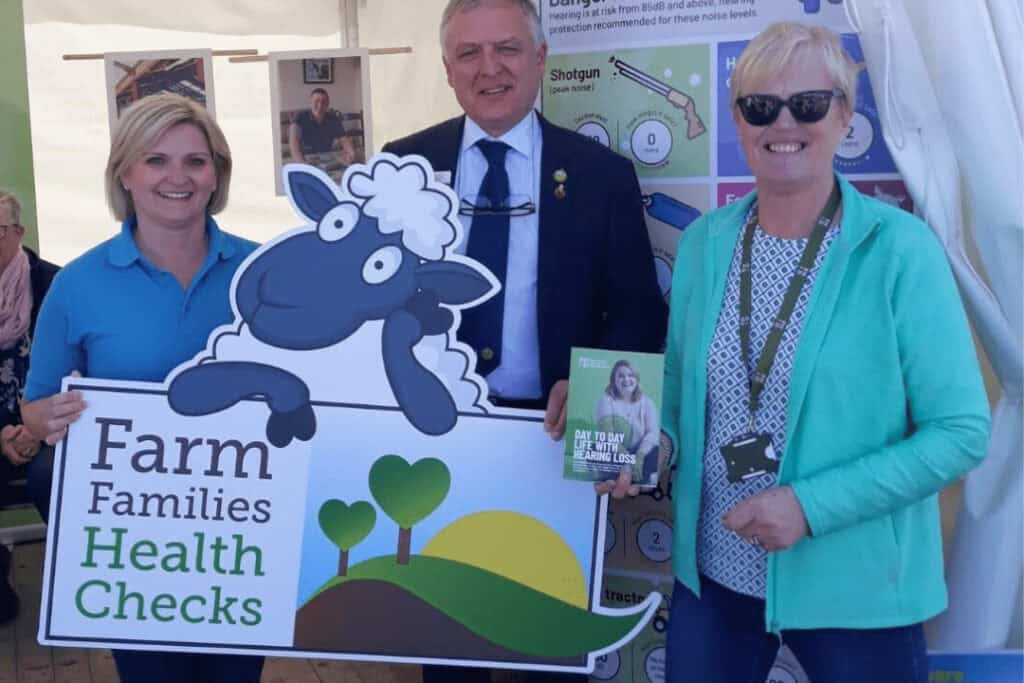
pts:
[48, 418]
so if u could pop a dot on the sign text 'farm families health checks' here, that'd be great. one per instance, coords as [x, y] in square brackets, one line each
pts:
[324, 485]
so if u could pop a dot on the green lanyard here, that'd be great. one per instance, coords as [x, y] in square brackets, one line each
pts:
[796, 284]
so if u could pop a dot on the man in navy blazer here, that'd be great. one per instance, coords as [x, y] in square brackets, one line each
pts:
[596, 285]
[580, 270]
[594, 269]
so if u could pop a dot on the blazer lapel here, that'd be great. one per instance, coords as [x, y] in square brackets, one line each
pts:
[556, 212]
[450, 146]
[441, 149]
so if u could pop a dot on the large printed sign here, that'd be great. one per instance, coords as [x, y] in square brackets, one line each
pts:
[649, 79]
[327, 478]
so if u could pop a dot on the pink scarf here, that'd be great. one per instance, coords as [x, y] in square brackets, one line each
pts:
[15, 300]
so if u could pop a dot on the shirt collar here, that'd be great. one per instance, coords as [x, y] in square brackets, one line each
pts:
[520, 137]
[124, 251]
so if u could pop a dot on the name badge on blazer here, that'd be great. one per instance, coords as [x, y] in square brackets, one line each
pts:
[443, 177]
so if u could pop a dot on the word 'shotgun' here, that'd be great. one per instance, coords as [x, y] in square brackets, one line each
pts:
[694, 126]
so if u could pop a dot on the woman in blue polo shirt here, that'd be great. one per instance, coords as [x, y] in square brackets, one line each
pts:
[142, 302]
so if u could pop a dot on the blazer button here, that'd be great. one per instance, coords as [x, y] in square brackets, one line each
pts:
[487, 353]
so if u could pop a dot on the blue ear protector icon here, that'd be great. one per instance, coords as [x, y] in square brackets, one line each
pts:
[669, 210]
[814, 6]
[672, 212]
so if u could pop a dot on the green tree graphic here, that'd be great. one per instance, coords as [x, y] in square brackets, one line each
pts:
[408, 493]
[346, 526]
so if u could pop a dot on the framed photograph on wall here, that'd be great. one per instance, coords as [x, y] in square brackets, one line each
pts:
[323, 122]
[130, 76]
[318, 71]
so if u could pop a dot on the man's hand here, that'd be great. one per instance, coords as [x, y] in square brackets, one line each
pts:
[554, 414]
[18, 444]
[621, 487]
[773, 519]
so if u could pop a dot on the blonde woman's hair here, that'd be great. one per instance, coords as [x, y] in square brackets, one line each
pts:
[138, 131]
[8, 199]
[774, 48]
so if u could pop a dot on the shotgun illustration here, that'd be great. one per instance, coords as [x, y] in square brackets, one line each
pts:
[680, 100]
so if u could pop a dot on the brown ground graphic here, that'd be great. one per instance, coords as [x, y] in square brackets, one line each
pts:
[367, 616]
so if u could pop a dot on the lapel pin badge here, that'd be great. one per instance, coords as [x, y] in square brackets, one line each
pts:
[560, 176]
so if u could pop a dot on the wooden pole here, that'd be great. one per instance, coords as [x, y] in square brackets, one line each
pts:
[216, 53]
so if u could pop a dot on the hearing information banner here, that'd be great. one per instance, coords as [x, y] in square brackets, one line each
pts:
[649, 79]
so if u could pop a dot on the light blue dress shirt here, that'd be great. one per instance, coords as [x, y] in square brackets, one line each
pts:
[518, 376]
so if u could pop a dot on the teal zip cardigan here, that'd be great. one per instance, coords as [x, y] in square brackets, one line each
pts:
[886, 407]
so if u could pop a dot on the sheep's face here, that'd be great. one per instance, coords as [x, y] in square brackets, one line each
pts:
[315, 289]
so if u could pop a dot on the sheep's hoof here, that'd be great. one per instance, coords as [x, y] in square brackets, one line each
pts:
[300, 424]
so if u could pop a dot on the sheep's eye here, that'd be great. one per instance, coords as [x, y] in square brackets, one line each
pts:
[338, 222]
[381, 265]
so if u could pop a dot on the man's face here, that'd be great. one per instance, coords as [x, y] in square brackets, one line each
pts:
[319, 104]
[493, 64]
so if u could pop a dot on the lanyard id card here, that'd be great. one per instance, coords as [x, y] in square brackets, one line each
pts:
[749, 456]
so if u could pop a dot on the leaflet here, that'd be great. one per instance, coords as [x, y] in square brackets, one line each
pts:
[614, 415]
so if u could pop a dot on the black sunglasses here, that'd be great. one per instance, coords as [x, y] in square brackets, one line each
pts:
[809, 106]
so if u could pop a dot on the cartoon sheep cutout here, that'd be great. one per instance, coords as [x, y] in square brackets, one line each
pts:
[371, 282]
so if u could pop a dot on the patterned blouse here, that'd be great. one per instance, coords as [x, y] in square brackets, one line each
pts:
[13, 370]
[722, 555]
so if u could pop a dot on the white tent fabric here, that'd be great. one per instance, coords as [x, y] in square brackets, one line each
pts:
[70, 136]
[949, 84]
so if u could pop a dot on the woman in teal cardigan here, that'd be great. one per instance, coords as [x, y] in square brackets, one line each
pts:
[821, 386]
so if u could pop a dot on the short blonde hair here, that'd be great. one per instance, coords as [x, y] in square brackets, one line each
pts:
[140, 128]
[773, 48]
[8, 199]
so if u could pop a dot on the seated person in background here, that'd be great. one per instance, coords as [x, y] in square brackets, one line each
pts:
[24, 279]
[319, 130]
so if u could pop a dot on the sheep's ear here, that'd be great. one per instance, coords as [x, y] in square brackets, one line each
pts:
[309, 193]
[453, 283]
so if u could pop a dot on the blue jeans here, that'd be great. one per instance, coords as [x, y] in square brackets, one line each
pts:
[38, 480]
[721, 638]
[136, 666]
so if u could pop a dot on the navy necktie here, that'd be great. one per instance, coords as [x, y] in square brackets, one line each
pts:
[488, 244]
